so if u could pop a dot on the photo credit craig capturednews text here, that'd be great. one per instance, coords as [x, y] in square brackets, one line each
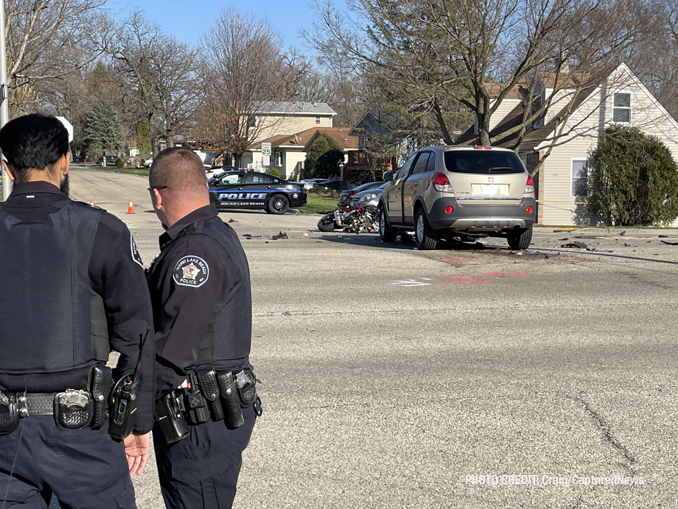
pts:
[547, 480]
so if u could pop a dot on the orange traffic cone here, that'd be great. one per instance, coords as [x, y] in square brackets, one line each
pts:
[91, 203]
[130, 208]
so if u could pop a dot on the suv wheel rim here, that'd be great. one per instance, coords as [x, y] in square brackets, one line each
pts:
[420, 228]
[382, 221]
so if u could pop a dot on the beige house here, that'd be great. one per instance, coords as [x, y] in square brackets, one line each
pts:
[565, 138]
[276, 123]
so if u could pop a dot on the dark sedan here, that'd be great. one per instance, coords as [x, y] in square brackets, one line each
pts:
[252, 190]
[336, 185]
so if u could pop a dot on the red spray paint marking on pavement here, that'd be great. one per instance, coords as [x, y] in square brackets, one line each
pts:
[467, 280]
[458, 260]
[501, 274]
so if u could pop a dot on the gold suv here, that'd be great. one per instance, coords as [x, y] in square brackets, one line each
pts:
[445, 192]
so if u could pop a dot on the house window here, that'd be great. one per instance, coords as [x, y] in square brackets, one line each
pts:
[580, 177]
[537, 102]
[252, 122]
[622, 107]
[317, 120]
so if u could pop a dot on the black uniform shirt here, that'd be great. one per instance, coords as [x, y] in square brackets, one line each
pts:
[184, 313]
[116, 273]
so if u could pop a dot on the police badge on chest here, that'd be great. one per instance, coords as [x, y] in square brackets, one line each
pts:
[191, 271]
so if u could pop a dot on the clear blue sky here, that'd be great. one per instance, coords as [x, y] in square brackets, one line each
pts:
[187, 20]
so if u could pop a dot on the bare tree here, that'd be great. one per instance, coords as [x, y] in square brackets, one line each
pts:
[46, 41]
[445, 51]
[242, 72]
[161, 72]
[655, 59]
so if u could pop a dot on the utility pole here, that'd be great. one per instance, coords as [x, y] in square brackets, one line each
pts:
[4, 95]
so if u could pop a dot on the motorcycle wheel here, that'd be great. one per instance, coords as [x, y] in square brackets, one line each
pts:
[326, 223]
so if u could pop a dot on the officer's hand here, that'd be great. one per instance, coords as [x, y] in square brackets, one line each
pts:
[136, 449]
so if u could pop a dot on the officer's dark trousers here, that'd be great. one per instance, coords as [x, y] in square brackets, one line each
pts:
[85, 469]
[201, 471]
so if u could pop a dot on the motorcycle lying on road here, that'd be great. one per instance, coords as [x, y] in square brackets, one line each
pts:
[353, 219]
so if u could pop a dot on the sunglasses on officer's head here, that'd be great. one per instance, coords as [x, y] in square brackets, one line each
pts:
[156, 187]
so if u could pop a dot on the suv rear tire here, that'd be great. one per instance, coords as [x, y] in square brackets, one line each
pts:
[424, 236]
[386, 231]
[520, 239]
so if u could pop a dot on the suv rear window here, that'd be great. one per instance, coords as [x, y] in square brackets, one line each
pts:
[483, 161]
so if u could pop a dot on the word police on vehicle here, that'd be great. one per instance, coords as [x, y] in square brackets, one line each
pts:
[252, 190]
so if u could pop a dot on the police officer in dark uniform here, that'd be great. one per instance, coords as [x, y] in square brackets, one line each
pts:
[200, 290]
[72, 289]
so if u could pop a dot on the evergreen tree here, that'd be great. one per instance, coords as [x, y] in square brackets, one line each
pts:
[634, 179]
[103, 129]
[323, 158]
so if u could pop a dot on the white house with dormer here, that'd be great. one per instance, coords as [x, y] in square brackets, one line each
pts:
[569, 132]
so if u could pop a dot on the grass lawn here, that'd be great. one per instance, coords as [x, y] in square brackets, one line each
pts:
[319, 204]
[134, 171]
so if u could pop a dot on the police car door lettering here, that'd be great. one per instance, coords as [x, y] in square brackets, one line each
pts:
[242, 196]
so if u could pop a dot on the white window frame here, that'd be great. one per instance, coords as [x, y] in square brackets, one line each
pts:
[317, 119]
[586, 167]
[630, 108]
[539, 122]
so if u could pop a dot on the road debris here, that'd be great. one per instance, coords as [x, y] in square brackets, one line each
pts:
[281, 235]
[287, 313]
[669, 243]
[575, 245]
[232, 220]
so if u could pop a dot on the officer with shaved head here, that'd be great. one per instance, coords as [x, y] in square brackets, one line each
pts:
[206, 400]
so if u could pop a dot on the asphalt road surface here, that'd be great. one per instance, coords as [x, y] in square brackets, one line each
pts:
[471, 376]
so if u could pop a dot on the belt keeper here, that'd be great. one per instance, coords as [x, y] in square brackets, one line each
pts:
[22, 405]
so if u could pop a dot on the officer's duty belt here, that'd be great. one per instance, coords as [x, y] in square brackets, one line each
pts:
[35, 403]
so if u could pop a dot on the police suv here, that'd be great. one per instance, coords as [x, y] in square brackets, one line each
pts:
[252, 190]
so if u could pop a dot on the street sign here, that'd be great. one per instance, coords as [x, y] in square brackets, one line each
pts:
[265, 149]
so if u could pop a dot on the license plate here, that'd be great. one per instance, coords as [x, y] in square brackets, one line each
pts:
[490, 189]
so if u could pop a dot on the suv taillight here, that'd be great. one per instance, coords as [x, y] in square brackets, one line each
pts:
[441, 183]
[529, 186]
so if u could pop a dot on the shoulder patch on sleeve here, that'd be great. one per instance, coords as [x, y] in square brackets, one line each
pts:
[135, 252]
[191, 271]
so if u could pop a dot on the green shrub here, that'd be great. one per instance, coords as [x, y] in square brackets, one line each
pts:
[273, 171]
[119, 162]
[633, 180]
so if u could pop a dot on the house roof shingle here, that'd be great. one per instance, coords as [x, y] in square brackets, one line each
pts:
[292, 108]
